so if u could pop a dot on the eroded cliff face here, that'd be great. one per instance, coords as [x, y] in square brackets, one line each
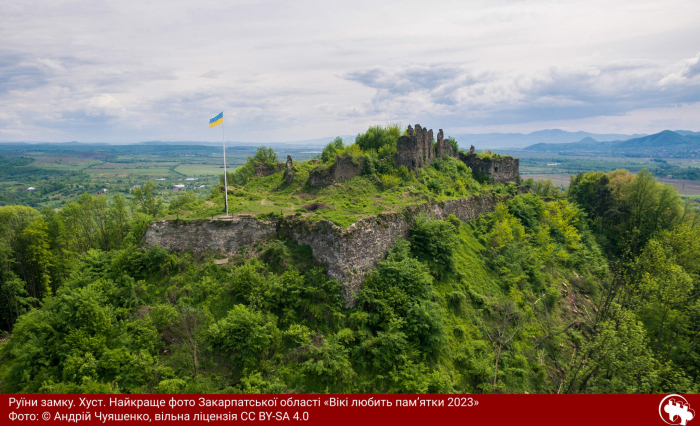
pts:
[348, 253]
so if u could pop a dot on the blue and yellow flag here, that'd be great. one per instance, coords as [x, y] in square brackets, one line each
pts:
[219, 119]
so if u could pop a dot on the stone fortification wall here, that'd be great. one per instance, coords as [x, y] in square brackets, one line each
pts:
[443, 147]
[344, 168]
[348, 253]
[267, 169]
[501, 169]
[227, 236]
[415, 150]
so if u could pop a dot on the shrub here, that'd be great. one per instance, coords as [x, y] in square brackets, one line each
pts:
[452, 141]
[528, 208]
[379, 137]
[435, 186]
[434, 243]
[315, 206]
[247, 336]
[182, 200]
[390, 181]
[332, 149]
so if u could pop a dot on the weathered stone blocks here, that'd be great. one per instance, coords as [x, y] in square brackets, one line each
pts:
[347, 253]
[500, 169]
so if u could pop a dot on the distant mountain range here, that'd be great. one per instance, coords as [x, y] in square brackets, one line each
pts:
[465, 140]
[521, 140]
[681, 143]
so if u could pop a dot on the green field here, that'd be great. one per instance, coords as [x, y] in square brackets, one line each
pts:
[199, 169]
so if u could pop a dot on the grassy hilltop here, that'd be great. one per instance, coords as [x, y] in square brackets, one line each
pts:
[380, 187]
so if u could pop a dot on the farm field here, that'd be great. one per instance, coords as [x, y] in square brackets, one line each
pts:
[201, 169]
[60, 173]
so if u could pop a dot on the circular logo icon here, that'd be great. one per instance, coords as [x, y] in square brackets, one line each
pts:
[675, 410]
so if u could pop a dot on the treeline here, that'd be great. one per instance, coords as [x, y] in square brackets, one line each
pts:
[690, 173]
[652, 239]
[39, 249]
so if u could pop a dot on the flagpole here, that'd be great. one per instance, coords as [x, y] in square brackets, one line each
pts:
[225, 173]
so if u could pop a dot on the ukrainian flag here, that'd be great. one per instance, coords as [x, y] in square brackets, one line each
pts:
[219, 119]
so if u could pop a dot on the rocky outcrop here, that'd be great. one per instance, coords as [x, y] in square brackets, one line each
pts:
[347, 253]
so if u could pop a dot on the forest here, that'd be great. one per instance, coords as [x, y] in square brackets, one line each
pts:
[591, 290]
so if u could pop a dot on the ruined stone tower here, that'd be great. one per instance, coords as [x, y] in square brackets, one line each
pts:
[416, 149]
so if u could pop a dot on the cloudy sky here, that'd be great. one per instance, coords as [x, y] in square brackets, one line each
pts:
[127, 71]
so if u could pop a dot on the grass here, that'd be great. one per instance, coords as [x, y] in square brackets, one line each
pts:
[342, 203]
[471, 266]
[199, 169]
[149, 172]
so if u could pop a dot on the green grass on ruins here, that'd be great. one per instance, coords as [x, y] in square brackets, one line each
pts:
[380, 187]
[342, 203]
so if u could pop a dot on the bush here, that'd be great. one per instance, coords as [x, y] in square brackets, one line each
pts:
[528, 208]
[435, 186]
[247, 336]
[390, 181]
[244, 173]
[332, 149]
[434, 243]
[552, 296]
[425, 326]
[382, 139]
[182, 200]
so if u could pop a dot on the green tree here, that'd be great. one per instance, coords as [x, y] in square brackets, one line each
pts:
[332, 149]
[147, 201]
[381, 139]
[434, 242]
[615, 360]
[246, 336]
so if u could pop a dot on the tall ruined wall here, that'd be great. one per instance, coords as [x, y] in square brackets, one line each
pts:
[416, 149]
[501, 169]
[348, 254]
[443, 147]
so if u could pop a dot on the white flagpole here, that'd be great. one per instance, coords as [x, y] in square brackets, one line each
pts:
[225, 174]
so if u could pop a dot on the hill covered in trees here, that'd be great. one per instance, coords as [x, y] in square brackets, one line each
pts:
[590, 291]
[666, 144]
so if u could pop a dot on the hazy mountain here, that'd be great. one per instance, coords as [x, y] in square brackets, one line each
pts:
[665, 144]
[520, 140]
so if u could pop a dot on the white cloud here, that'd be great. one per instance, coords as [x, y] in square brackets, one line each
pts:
[308, 69]
[105, 104]
[50, 64]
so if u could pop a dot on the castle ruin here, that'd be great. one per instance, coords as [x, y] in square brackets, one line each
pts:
[497, 168]
[416, 150]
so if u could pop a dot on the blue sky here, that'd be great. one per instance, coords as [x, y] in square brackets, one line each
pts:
[131, 71]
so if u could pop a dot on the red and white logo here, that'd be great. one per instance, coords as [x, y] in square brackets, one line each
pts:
[675, 410]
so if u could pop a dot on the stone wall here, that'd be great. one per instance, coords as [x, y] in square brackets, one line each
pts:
[416, 149]
[225, 236]
[344, 168]
[267, 169]
[500, 170]
[443, 147]
[347, 253]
